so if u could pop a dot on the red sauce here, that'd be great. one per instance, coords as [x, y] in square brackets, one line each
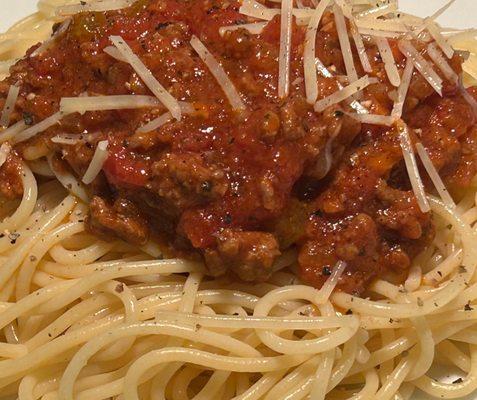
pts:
[239, 188]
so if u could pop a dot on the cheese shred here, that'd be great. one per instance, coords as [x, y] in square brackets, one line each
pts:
[309, 54]
[434, 175]
[411, 166]
[285, 48]
[422, 65]
[344, 43]
[219, 74]
[148, 78]
[342, 94]
[388, 59]
[97, 162]
[103, 103]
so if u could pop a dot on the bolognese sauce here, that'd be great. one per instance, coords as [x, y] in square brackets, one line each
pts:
[240, 187]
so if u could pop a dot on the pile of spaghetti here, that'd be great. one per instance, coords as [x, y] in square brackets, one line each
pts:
[85, 319]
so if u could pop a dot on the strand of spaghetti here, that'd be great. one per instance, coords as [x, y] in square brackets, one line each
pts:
[262, 386]
[131, 315]
[27, 269]
[296, 384]
[30, 195]
[452, 353]
[395, 379]
[150, 328]
[404, 343]
[68, 318]
[368, 307]
[322, 376]
[227, 363]
[160, 382]
[213, 386]
[310, 346]
[467, 235]
[370, 388]
[343, 366]
[103, 336]
[118, 271]
[51, 219]
[86, 255]
[425, 349]
[444, 269]
[69, 181]
[453, 390]
[254, 322]
[23, 306]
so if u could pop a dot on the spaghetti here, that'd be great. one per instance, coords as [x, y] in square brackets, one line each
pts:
[85, 319]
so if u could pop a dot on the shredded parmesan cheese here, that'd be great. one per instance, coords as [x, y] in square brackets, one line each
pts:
[155, 123]
[164, 119]
[441, 63]
[254, 9]
[440, 40]
[389, 63]
[380, 33]
[148, 78]
[219, 74]
[47, 43]
[411, 166]
[422, 65]
[38, 128]
[381, 25]
[66, 138]
[403, 89]
[434, 175]
[373, 119]
[311, 83]
[468, 98]
[344, 43]
[115, 53]
[101, 103]
[285, 48]
[342, 94]
[9, 106]
[362, 54]
[5, 149]
[99, 158]
[68, 181]
[13, 130]
[254, 28]
[378, 11]
[100, 5]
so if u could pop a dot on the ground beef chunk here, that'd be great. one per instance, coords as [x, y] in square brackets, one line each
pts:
[121, 219]
[11, 186]
[249, 255]
[187, 179]
[354, 240]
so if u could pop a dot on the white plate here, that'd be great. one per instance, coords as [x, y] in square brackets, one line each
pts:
[462, 14]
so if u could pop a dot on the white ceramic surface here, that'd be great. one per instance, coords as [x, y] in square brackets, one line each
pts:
[462, 14]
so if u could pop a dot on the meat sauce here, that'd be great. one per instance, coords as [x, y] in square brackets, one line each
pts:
[238, 189]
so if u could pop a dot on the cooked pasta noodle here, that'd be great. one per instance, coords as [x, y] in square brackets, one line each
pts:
[85, 319]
